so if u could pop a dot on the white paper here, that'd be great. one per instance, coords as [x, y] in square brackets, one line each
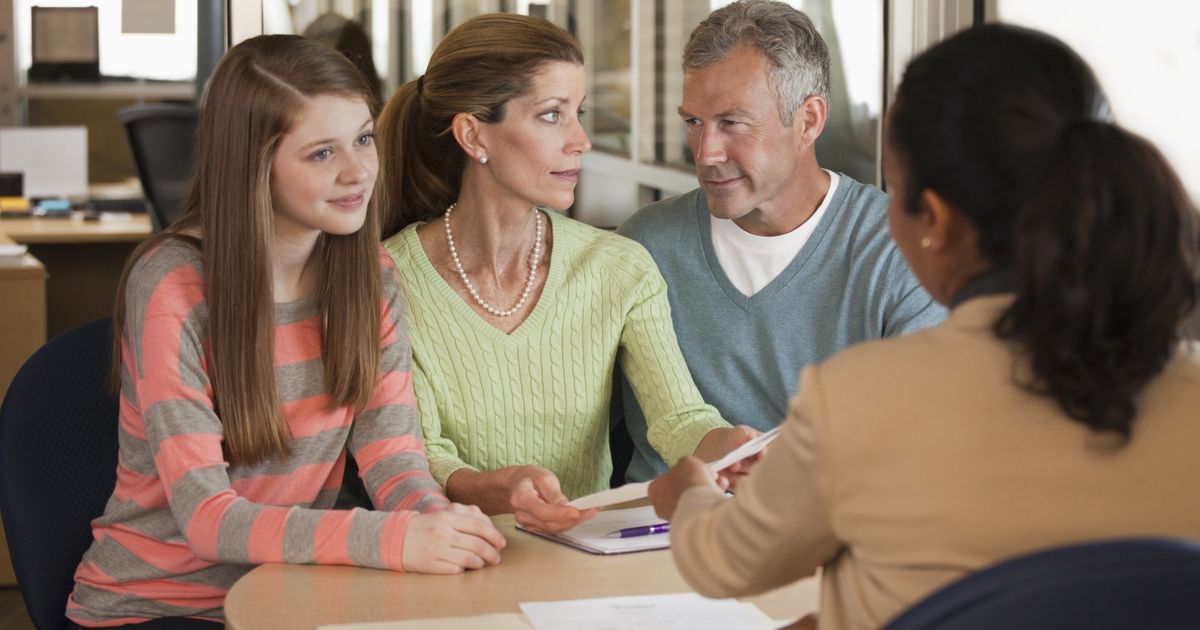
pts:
[683, 611]
[592, 534]
[12, 250]
[627, 492]
[634, 491]
[53, 159]
[751, 447]
[495, 621]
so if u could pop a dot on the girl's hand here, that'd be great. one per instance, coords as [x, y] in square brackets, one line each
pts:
[451, 540]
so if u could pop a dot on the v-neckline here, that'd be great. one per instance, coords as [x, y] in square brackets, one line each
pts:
[778, 283]
[469, 314]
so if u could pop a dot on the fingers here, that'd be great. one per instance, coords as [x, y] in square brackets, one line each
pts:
[548, 486]
[481, 527]
[543, 517]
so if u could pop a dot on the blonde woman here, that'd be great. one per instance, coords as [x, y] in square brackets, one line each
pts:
[518, 313]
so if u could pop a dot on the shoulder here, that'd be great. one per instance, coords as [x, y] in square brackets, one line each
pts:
[171, 266]
[860, 209]
[662, 219]
[398, 246]
[602, 249]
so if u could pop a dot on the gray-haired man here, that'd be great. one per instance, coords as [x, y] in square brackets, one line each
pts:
[773, 262]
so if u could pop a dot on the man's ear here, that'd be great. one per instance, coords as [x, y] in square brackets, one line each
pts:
[466, 129]
[811, 115]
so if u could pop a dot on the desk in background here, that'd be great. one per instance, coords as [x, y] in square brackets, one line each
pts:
[22, 330]
[531, 569]
[83, 261]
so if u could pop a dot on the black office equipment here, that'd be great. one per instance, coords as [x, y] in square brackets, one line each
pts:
[58, 463]
[1107, 585]
[162, 137]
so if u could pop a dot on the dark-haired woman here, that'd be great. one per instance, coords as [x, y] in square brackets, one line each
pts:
[1056, 404]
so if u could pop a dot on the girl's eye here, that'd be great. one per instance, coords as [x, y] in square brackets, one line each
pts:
[322, 154]
[550, 117]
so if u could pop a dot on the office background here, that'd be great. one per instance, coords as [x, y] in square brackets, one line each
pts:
[1147, 55]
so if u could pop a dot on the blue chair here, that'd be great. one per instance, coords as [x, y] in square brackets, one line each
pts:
[1120, 584]
[58, 463]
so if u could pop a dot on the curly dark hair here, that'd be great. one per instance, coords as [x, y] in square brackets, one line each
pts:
[1011, 127]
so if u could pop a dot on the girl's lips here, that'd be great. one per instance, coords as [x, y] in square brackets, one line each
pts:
[349, 201]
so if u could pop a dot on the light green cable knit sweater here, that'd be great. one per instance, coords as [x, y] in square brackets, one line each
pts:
[540, 395]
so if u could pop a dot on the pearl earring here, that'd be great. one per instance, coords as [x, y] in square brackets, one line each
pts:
[926, 242]
[483, 159]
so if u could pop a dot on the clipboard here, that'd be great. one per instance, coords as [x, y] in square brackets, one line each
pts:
[591, 536]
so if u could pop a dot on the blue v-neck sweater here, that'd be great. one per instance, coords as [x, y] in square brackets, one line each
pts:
[847, 284]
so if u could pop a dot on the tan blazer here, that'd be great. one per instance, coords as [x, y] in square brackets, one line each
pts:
[906, 463]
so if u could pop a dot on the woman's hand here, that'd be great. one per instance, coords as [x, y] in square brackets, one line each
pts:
[538, 503]
[718, 442]
[687, 473]
[451, 540]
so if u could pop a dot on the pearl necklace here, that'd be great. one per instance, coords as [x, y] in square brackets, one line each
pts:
[534, 258]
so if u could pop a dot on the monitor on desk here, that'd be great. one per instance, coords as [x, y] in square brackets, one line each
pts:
[53, 160]
[66, 44]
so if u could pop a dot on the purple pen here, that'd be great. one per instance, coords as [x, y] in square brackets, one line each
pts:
[645, 530]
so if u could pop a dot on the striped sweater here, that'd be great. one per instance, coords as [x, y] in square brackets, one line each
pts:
[540, 395]
[182, 523]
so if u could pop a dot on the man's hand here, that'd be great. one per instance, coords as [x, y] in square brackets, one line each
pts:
[538, 502]
[718, 442]
[451, 540]
[686, 473]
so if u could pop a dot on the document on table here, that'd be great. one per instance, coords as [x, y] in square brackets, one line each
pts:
[592, 535]
[494, 621]
[634, 491]
[683, 611]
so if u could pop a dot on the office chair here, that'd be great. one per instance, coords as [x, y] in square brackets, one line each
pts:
[1108, 585]
[58, 462]
[162, 138]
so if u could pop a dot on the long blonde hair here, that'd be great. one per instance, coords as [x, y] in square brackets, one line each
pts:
[251, 101]
[476, 69]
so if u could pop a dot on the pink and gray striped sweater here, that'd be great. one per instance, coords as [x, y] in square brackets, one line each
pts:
[182, 523]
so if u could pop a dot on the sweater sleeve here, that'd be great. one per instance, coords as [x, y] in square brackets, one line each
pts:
[676, 414]
[443, 455]
[386, 436]
[777, 529]
[165, 367]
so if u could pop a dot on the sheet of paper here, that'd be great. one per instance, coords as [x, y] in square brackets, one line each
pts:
[683, 611]
[627, 492]
[592, 535]
[497, 621]
[751, 447]
[634, 491]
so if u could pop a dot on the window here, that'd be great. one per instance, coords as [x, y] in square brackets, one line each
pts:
[139, 55]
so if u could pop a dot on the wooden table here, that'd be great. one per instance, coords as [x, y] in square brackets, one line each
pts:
[531, 569]
[83, 261]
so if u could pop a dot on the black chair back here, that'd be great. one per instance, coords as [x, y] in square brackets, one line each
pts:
[1109, 585]
[162, 137]
[58, 463]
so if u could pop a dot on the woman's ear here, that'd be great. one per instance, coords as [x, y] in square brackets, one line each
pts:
[938, 219]
[466, 128]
